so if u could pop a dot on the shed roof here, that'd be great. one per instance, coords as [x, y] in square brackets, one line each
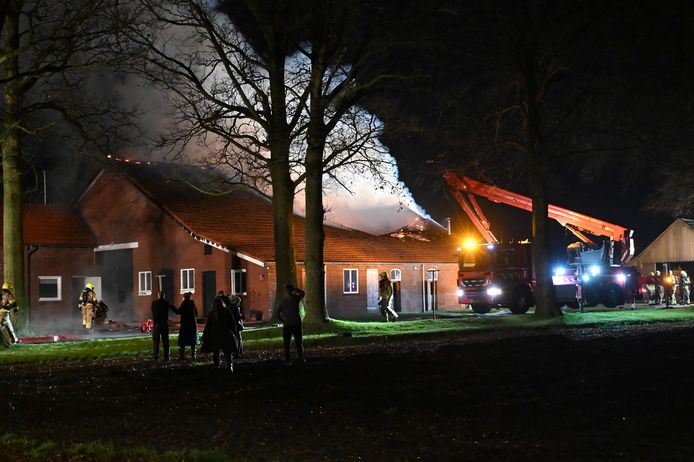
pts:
[242, 221]
[675, 244]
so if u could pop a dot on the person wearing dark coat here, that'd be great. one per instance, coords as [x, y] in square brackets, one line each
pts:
[160, 328]
[218, 334]
[290, 315]
[235, 308]
[188, 331]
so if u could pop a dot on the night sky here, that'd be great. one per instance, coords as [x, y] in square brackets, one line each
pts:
[617, 121]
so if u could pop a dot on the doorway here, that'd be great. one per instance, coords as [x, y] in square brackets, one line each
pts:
[116, 270]
[209, 290]
[371, 288]
[396, 279]
[431, 295]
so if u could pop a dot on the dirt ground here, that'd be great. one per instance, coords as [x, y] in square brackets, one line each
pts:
[560, 394]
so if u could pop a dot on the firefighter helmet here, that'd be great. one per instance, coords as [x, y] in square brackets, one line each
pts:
[384, 275]
[89, 286]
[683, 273]
[6, 286]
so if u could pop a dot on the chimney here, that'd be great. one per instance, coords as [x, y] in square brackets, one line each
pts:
[447, 224]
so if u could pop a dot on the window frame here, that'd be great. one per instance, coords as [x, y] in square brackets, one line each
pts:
[244, 273]
[345, 272]
[59, 284]
[393, 272]
[140, 290]
[184, 287]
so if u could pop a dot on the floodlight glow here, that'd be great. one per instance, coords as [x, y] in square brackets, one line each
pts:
[585, 278]
[594, 270]
[460, 293]
[469, 244]
[559, 271]
[621, 277]
[493, 291]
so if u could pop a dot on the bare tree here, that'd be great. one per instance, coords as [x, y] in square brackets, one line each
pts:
[236, 99]
[47, 47]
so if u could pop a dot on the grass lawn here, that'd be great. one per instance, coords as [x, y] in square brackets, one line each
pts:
[337, 331]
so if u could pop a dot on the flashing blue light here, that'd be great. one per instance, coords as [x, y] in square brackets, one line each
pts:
[594, 270]
[490, 246]
[559, 271]
[585, 278]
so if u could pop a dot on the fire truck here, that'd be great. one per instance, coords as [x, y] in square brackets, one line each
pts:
[498, 274]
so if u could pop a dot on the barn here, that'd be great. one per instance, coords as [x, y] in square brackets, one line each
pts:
[674, 246]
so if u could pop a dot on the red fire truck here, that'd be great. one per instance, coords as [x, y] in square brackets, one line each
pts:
[501, 274]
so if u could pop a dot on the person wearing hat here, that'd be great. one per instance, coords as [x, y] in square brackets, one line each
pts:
[87, 303]
[385, 292]
[8, 306]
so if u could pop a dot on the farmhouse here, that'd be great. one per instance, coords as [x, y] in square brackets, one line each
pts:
[148, 229]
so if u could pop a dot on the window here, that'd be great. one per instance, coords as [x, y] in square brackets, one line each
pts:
[50, 288]
[238, 281]
[395, 275]
[187, 280]
[145, 283]
[432, 275]
[350, 281]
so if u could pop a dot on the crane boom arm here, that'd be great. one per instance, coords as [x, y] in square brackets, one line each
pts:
[575, 222]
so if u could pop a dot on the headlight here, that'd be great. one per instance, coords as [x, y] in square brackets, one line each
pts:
[594, 270]
[621, 277]
[460, 293]
[493, 291]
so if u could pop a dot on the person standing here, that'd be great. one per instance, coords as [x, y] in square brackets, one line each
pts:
[188, 331]
[87, 303]
[160, 328]
[385, 292]
[8, 307]
[290, 315]
[218, 335]
[684, 278]
[234, 305]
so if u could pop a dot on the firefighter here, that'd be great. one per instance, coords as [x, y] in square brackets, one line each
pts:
[674, 286]
[650, 289]
[684, 281]
[659, 289]
[8, 307]
[385, 293]
[87, 304]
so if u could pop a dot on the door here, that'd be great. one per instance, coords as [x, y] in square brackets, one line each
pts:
[395, 277]
[116, 269]
[372, 288]
[431, 296]
[76, 286]
[209, 290]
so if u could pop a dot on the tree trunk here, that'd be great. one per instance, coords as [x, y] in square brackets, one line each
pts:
[283, 187]
[545, 305]
[12, 240]
[316, 310]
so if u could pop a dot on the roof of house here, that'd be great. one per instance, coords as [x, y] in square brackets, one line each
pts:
[242, 221]
[51, 225]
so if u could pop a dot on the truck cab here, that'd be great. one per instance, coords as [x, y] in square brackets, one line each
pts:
[493, 275]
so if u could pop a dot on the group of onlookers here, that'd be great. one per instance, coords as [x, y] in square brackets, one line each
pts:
[222, 333]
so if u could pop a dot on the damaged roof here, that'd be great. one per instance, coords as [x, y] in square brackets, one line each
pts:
[241, 220]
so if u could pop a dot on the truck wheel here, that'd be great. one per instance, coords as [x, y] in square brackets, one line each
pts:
[612, 296]
[481, 308]
[521, 302]
[591, 296]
